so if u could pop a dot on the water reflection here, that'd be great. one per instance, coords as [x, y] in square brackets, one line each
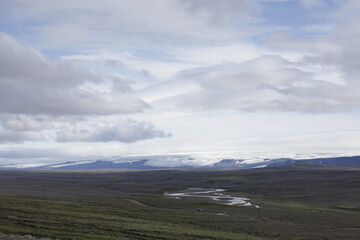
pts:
[213, 194]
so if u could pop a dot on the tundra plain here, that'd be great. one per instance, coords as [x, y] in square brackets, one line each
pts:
[298, 201]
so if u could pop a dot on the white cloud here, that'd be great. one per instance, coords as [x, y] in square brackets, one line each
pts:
[58, 24]
[7, 136]
[127, 63]
[313, 3]
[211, 55]
[267, 83]
[284, 42]
[194, 62]
[344, 36]
[305, 3]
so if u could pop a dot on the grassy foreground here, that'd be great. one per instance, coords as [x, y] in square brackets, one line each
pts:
[109, 219]
[131, 205]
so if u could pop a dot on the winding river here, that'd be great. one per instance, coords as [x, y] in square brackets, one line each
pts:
[216, 195]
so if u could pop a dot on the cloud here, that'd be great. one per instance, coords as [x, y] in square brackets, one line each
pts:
[344, 35]
[267, 83]
[42, 100]
[122, 131]
[313, 3]
[283, 41]
[31, 84]
[22, 122]
[34, 155]
[305, 3]
[126, 63]
[7, 136]
[198, 63]
[72, 22]
[324, 77]
[21, 128]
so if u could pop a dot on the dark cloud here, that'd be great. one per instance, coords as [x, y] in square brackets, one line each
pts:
[21, 122]
[7, 136]
[21, 128]
[31, 84]
[122, 131]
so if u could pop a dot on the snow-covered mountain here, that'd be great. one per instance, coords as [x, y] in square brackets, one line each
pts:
[146, 164]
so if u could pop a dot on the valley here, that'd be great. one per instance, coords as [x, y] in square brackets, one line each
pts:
[299, 201]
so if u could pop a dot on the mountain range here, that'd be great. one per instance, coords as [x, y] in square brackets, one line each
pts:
[145, 164]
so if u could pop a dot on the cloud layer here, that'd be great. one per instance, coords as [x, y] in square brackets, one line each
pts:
[94, 78]
[268, 83]
[36, 94]
[120, 21]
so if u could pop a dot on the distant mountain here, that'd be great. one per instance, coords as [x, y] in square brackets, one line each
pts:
[90, 165]
[336, 161]
[140, 164]
[234, 163]
[241, 164]
[144, 164]
[339, 161]
[305, 165]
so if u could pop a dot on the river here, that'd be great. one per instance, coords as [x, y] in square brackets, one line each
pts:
[216, 195]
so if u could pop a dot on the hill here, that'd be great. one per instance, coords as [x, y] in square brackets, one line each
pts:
[146, 164]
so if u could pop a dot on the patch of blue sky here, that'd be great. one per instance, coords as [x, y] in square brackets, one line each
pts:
[9, 29]
[154, 52]
[18, 32]
[56, 54]
[292, 15]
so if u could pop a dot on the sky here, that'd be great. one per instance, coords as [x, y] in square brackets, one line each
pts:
[181, 81]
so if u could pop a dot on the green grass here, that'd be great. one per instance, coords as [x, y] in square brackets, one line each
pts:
[306, 204]
[163, 218]
[96, 220]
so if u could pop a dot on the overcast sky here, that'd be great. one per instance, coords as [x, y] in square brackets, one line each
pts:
[190, 81]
